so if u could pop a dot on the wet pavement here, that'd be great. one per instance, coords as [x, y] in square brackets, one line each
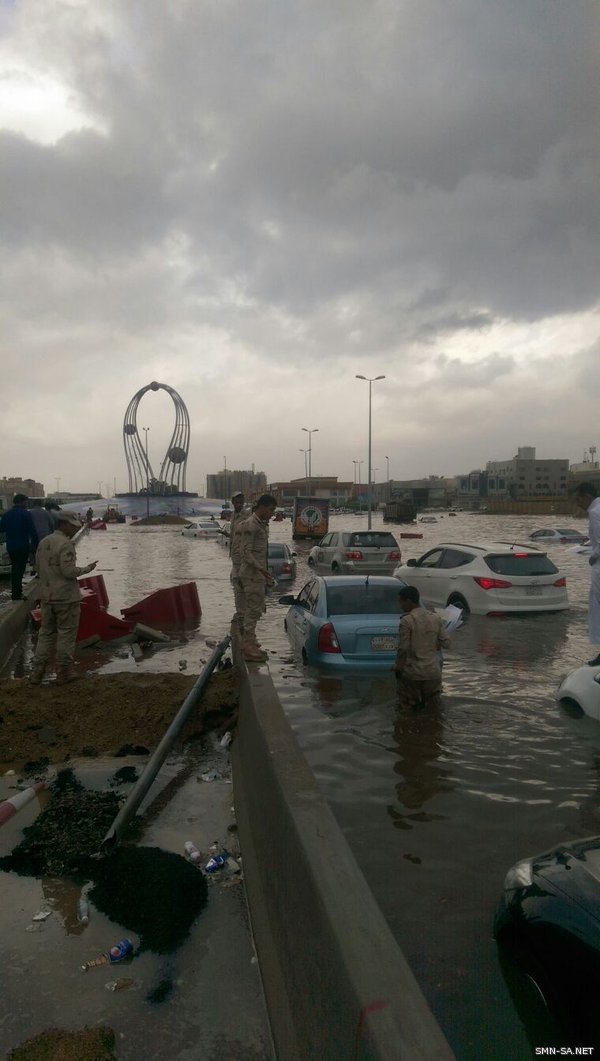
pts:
[435, 807]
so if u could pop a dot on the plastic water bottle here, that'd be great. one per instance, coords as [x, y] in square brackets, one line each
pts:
[192, 852]
[83, 911]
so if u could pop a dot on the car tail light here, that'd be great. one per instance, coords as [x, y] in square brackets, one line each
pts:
[328, 642]
[395, 555]
[355, 554]
[492, 583]
[560, 582]
[286, 569]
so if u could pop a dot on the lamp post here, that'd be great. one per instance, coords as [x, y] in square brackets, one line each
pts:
[57, 480]
[387, 478]
[305, 451]
[310, 433]
[357, 464]
[370, 381]
[146, 430]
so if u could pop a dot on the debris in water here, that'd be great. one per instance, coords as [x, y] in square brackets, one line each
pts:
[43, 914]
[121, 984]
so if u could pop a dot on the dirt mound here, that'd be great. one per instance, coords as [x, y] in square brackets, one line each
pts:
[103, 714]
[89, 1044]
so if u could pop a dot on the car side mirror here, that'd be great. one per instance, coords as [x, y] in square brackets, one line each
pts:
[288, 599]
[411, 563]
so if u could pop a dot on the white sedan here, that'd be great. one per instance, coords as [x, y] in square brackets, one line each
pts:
[207, 528]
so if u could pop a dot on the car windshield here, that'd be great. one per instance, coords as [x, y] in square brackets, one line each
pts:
[525, 564]
[364, 599]
[373, 540]
[276, 552]
[568, 533]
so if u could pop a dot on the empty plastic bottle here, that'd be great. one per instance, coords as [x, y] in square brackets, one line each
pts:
[83, 911]
[192, 852]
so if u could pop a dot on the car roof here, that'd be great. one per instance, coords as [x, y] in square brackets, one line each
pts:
[486, 547]
[359, 580]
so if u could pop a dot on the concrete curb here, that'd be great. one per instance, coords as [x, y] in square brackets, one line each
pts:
[13, 620]
[337, 985]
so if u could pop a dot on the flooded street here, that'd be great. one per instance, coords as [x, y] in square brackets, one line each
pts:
[435, 806]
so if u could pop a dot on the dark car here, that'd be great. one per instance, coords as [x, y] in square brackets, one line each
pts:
[549, 920]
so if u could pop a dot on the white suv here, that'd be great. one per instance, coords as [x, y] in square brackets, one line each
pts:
[361, 552]
[487, 578]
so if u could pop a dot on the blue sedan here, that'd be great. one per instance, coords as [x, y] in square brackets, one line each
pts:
[345, 622]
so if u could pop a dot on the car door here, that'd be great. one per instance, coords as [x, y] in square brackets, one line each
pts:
[325, 551]
[427, 576]
[298, 617]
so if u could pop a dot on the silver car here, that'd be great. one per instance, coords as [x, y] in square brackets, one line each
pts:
[370, 552]
[281, 561]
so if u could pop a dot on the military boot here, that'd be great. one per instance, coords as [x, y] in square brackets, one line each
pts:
[37, 673]
[66, 673]
[253, 653]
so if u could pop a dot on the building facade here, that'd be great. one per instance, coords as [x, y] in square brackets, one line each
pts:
[227, 482]
[526, 475]
[11, 485]
[325, 486]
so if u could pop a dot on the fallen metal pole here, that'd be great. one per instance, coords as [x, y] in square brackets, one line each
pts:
[159, 755]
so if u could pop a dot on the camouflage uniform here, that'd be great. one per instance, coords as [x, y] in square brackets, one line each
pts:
[235, 552]
[418, 671]
[60, 599]
[253, 570]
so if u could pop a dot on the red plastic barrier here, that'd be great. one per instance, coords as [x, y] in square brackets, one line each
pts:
[97, 585]
[405, 534]
[96, 622]
[97, 524]
[166, 606]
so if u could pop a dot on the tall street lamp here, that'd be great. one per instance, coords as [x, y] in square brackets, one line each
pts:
[387, 478]
[310, 433]
[305, 451]
[357, 464]
[146, 430]
[370, 381]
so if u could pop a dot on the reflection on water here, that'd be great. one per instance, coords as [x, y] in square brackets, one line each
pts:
[435, 805]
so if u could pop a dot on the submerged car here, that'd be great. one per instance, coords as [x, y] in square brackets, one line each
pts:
[206, 528]
[549, 920]
[367, 552]
[487, 578]
[281, 561]
[344, 622]
[582, 688]
[559, 536]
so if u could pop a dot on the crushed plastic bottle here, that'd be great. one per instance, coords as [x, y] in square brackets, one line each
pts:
[192, 852]
[121, 984]
[116, 954]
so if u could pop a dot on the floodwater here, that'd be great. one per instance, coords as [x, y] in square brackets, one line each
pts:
[435, 806]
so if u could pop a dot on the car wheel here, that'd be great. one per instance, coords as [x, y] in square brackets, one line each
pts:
[571, 707]
[459, 602]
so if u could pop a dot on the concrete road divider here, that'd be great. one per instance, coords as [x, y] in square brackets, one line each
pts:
[336, 983]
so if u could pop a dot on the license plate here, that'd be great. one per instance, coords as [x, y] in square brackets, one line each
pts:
[384, 644]
[533, 591]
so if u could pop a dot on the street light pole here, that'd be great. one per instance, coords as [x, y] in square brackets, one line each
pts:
[146, 430]
[305, 451]
[370, 381]
[387, 478]
[57, 480]
[310, 433]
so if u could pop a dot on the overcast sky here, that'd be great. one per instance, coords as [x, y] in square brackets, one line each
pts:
[253, 201]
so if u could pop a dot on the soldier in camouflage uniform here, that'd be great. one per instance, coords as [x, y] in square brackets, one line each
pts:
[235, 551]
[60, 600]
[254, 573]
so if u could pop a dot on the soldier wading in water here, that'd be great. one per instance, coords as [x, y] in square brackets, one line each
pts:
[254, 574]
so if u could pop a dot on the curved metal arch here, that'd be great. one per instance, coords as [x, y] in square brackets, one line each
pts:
[173, 469]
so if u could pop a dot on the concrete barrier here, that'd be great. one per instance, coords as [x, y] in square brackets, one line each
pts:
[13, 620]
[337, 985]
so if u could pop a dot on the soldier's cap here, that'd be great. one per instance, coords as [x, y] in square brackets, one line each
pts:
[69, 517]
[238, 493]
